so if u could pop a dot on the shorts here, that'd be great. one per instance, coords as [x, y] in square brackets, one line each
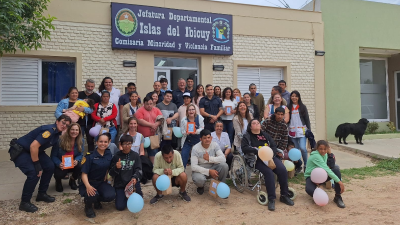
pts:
[173, 182]
[151, 152]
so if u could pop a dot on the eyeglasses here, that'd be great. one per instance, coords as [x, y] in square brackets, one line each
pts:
[191, 110]
[127, 144]
[64, 123]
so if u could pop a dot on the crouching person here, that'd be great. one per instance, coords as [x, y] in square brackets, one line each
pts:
[169, 162]
[94, 187]
[319, 158]
[125, 167]
[208, 160]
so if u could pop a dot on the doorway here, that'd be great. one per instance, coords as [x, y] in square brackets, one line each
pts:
[175, 68]
[397, 89]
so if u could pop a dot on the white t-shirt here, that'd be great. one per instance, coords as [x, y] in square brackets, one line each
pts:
[114, 98]
[225, 103]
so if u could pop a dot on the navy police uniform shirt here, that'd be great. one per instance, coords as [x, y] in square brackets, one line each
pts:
[46, 135]
[96, 165]
[212, 106]
[177, 97]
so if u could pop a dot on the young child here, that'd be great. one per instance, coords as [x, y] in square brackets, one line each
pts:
[125, 167]
[319, 158]
[75, 114]
[297, 163]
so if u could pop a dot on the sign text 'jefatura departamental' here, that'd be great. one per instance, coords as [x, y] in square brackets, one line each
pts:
[162, 29]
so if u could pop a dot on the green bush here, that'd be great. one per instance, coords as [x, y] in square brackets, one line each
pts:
[372, 127]
[391, 127]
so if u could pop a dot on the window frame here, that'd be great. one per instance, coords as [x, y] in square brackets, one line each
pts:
[40, 76]
[387, 87]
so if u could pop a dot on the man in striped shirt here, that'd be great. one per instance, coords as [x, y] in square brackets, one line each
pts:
[277, 128]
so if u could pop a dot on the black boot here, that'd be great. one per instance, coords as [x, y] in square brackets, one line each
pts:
[59, 187]
[44, 197]
[72, 183]
[271, 205]
[97, 204]
[27, 207]
[339, 201]
[89, 210]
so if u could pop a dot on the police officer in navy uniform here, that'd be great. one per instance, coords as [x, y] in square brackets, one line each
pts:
[28, 154]
[94, 186]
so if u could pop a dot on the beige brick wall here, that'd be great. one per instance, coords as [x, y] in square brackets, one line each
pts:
[99, 60]
[298, 52]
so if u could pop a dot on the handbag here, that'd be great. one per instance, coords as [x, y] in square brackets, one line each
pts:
[154, 142]
[104, 130]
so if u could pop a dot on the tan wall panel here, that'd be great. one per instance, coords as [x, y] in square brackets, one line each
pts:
[319, 73]
[393, 66]
[272, 28]
[275, 22]
[145, 72]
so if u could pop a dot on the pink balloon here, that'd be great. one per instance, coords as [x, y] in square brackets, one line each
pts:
[319, 175]
[320, 197]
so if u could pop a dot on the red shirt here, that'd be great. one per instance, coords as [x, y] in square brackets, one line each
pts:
[149, 116]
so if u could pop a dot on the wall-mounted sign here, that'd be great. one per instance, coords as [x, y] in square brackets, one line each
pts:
[162, 29]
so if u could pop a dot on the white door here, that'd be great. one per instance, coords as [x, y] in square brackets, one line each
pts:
[158, 74]
[397, 89]
[264, 78]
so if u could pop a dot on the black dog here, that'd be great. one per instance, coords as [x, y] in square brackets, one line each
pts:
[357, 129]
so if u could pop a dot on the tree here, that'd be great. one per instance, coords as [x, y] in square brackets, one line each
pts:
[22, 25]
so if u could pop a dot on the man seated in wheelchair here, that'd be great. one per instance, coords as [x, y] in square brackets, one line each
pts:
[251, 141]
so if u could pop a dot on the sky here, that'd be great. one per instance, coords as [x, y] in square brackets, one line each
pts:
[295, 4]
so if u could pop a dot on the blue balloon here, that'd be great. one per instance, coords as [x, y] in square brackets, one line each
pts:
[223, 190]
[163, 182]
[135, 203]
[294, 154]
[146, 142]
[177, 132]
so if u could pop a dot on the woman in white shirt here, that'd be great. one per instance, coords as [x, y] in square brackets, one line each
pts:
[229, 104]
[222, 139]
[190, 139]
[138, 139]
[107, 84]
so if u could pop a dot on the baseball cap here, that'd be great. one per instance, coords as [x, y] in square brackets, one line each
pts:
[187, 94]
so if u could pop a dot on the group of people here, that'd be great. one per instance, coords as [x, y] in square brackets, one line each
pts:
[213, 122]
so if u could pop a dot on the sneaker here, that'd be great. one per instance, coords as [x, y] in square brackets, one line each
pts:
[156, 199]
[184, 196]
[271, 205]
[297, 171]
[27, 207]
[200, 190]
[339, 201]
[285, 199]
[44, 197]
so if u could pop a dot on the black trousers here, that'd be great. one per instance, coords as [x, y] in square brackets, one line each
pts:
[269, 177]
[89, 139]
[311, 186]
[59, 174]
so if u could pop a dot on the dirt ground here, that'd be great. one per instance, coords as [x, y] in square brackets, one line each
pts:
[370, 201]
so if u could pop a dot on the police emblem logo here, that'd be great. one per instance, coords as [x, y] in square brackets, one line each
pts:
[221, 30]
[83, 160]
[46, 134]
[126, 22]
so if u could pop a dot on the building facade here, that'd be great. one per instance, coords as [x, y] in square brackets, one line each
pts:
[362, 63]
[268, 44]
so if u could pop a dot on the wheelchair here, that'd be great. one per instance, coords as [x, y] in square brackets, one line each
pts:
[240, 177]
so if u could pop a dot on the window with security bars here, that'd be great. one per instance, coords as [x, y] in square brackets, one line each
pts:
[32, 81]
[263, 77]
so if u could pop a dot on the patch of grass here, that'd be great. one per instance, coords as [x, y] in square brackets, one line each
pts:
[229, 182]
[66, 201]
[65, 194]
[384, 167]
[384, 132]
[43, 214]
